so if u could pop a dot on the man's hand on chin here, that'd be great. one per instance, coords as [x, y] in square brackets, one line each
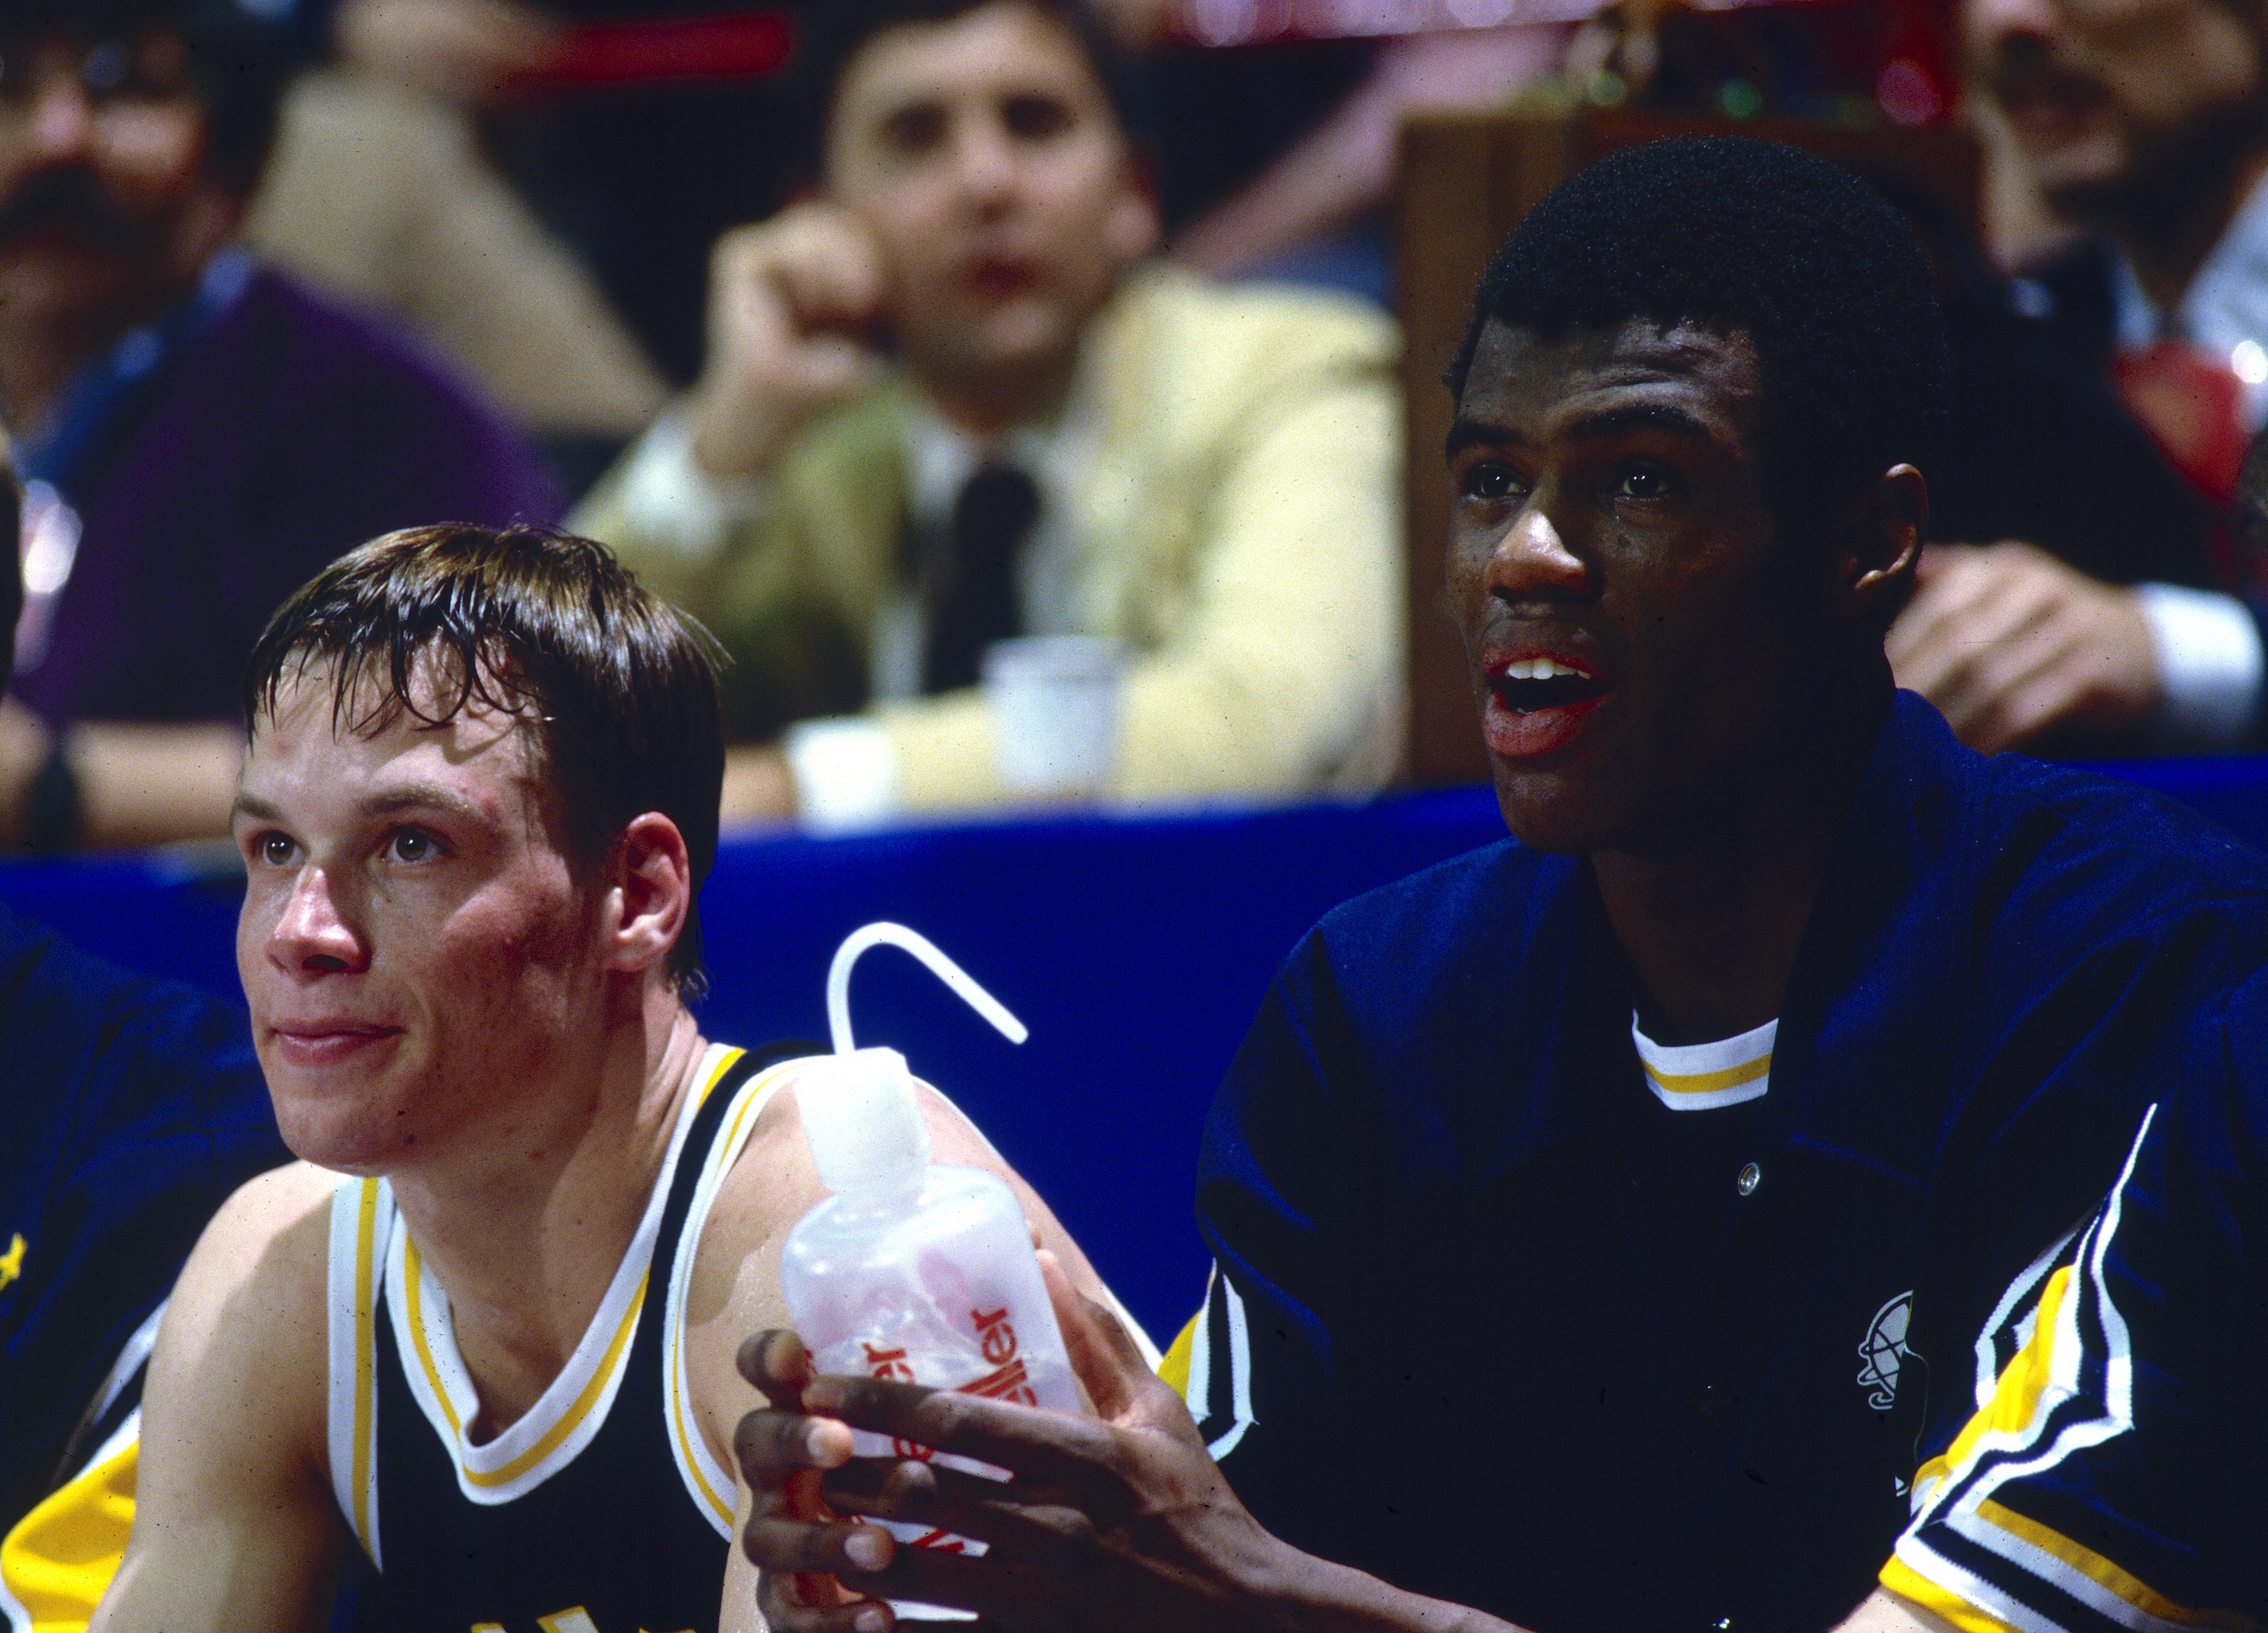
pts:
[1120, 1520]
[2007, 642]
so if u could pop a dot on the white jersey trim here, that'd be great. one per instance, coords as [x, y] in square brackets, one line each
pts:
[573, 1408]
[19, 1619]
[1964, 1494]
[365, 1246]
[1701, 1077]
[2000, 1341]
[361, 1216]
[707, 1480]
[1239, 1359]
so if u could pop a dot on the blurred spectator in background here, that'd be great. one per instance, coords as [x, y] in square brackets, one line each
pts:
[378, 191]
[639, 171]
[2144, 120]
[133, 1107]
[455, 50]
[201, 435]
[945, 402]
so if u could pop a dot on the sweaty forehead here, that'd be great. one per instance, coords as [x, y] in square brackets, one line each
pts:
[1535, 379]
[319, 720]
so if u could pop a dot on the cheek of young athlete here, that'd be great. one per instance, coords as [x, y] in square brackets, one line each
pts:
[983, 156]
[417, 953]
[1612, 571]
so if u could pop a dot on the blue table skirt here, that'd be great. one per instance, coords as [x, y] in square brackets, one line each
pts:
[1136, 950]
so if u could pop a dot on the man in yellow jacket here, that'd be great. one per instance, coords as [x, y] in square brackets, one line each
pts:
[947, 401]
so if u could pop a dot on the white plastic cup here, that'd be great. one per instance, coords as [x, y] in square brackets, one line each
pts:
[846, 775]
[1056, 705]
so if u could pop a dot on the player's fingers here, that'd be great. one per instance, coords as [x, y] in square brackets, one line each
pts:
[950, 1501]
[787, 1608]
[1054, 1448]
[948, 1577]
[774, 1541]
[776, 1362]
[772, 1444]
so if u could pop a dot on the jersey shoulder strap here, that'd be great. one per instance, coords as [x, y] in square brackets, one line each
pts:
[728, 1112]
[361, 1223]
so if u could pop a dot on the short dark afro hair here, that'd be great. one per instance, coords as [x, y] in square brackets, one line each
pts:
[1825, 277]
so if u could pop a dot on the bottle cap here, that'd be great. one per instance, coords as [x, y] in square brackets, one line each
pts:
[862, 1119]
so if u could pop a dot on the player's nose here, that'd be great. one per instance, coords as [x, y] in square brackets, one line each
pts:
[314, 933]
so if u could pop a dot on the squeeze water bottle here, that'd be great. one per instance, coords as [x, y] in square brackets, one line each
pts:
[913, 1270]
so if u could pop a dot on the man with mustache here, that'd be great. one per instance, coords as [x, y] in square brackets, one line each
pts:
[198, 434]
[2146, 121]
[1602, 1218]
[944, 404]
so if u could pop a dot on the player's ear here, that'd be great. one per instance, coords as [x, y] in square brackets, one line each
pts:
[649, 891]
[1888, 539]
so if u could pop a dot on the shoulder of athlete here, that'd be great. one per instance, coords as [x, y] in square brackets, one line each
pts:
[233, 1523]
[247, 1322]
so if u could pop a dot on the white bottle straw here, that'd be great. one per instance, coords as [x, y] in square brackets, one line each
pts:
[838, 982]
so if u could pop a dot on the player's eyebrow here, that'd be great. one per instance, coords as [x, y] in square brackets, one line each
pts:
[1466, 432]
[1652, 415]
[251, 806]
[417, 796]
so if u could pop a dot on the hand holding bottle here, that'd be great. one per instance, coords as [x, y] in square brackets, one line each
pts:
[1119, 1520]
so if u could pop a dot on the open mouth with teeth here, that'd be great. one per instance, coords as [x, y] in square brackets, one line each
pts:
[1527, 685]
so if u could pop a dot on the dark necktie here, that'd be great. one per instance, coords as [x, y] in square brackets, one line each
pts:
[971, 599]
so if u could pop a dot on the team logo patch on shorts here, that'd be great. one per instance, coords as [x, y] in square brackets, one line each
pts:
[1884, 1349]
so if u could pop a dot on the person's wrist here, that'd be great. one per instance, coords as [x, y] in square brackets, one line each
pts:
[2140, 685]
[736, 437]
[1299, 1593]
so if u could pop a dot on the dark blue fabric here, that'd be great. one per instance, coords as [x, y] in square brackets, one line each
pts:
[1417, 1177]
[131, 1108]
